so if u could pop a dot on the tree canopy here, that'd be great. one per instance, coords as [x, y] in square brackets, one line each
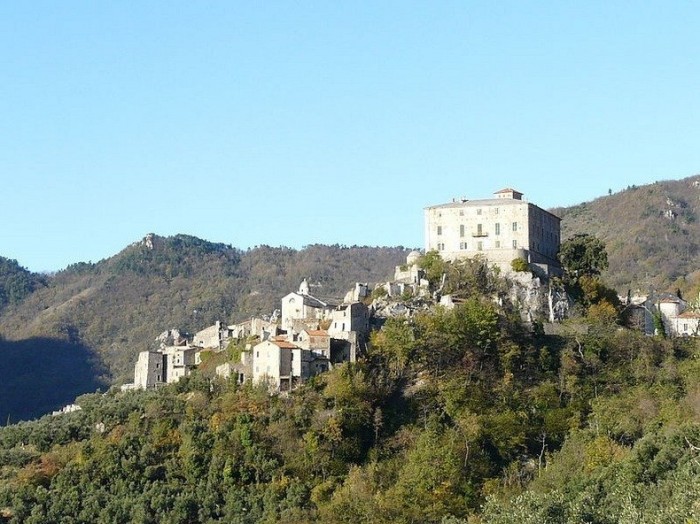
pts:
[583, 254]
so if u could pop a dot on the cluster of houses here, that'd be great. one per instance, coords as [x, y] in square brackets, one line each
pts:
[680, 317]
[307, 336]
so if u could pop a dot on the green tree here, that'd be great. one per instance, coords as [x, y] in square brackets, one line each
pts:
[583, 254]
[433, 265]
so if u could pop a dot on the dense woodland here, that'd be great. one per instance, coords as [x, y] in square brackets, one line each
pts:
[651, 232]
[454, 416]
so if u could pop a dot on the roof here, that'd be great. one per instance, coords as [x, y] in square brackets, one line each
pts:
[317, 332]
[309, 300]
[500, 202]
[507, 190]
[689, 314]
[281, 342]
[284, 344]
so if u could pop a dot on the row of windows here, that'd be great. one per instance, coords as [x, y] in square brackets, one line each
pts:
[478, 211]
[479, 229]
[479, 245]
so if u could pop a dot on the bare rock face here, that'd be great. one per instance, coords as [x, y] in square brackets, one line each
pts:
[171, 337]
[148, 240]
[538, 301]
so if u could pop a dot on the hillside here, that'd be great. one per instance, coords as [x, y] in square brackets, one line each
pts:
[455, 417]
[651, 232]
[115, 308]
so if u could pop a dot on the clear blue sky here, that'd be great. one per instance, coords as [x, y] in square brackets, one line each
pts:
[292, 123]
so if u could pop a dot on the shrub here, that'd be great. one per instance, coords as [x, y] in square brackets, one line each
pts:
[520, 265]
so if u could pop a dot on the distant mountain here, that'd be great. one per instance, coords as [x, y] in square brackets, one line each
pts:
[652, 234]
[115, 308]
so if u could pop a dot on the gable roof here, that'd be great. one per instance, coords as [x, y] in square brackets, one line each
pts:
[317, 332]
[689, 314]
[284, 344]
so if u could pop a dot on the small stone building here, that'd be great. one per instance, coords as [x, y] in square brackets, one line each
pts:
[302, 309]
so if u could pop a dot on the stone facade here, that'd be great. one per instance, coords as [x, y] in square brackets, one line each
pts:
[349, 317]
[316, 340]
[179, 362]
[679, 321]
[301, 309]
[149, 370]
[212, 337]
[500, 228]
[282, 365]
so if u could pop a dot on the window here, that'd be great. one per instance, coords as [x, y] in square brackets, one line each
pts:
[461, 212]
[462, 245]
[478, 211]
[441, 246]
[461, 230]
[480, 246]
[495, 211]
[439, 230]
[515, 244]
[498, 244]
[479, 229]
[515, 226]
[498, 228]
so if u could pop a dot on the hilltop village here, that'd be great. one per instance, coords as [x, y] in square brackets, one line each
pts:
[309, 335]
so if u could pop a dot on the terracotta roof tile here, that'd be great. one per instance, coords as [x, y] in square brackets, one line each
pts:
[283, 344]
[317, 332]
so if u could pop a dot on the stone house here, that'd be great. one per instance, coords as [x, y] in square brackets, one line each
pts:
[315, 340]
[300, 309]
[149, 370]
[349, 317]
[213, 337]
[255, 327]
[165, 366]
[501, 229]
[179, 361]
[679, 321]
[685, 324]
[282, 365]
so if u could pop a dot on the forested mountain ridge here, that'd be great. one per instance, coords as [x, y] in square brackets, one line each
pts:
[651, 232]
[116, 307]
[16, 282]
